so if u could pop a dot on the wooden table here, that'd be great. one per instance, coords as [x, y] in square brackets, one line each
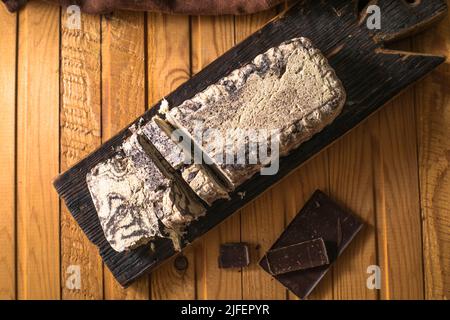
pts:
[64, 91]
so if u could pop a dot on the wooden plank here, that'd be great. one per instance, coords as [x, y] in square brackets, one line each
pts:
[8, 25]
[311, 176]
[433, 118]
[350, 48]
[397, 200]
[301, 184]
[212, 36]
[38, 153]
[351, 184]
[262, 220]
[168, 54]
[80, 123]
[168, 67]
[123, 99]
[298, 187]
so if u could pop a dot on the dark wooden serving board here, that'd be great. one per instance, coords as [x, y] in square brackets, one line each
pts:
[371, 76]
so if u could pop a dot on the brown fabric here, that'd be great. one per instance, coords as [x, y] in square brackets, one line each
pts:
[194, 7]
[14, 5]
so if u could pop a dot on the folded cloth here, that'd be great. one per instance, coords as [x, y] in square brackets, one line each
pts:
[194, 7]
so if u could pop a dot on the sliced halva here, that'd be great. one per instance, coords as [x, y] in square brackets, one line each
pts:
[286, 94]
[136, 202]
[199, 177]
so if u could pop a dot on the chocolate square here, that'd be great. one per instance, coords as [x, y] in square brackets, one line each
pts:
[321, 217]
[233, 255]
[300, 256]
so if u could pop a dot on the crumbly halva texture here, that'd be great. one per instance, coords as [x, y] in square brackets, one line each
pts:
[290, 88]
[199, 178]
[122, 201]
[173, 204]
[135, 200]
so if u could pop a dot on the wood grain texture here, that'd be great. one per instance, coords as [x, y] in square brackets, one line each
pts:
[262, 220]
[397, 201]
[433, 132]
[123, 99]
[8, 25]
[212, 36]
[351, 184]
[168, 54]
[168, 67]
[38, 153]
[80, 129]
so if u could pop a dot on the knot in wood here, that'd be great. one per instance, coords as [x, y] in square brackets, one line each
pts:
[181, 263]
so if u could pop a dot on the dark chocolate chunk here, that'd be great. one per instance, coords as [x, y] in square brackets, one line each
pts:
[300, 256]
[233, 255]
[322, 218]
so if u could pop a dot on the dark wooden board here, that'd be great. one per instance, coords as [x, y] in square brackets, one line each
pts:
[371, 76]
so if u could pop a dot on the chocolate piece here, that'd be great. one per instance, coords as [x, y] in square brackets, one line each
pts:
[319, 218]
[290, 88]
[233, 255]
[304, 255]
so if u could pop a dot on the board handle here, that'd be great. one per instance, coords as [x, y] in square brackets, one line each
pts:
[401, 18]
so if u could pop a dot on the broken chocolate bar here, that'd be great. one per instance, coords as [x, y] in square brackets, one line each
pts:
[289, 89]
[322, 218]
[233, 255]
[304, 255]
